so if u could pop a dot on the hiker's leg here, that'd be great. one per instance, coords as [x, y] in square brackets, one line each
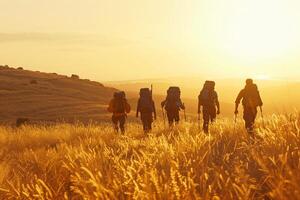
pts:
[115, 123]
[248, 118]
[149, 120]
[252, 118]
[170, 118]
[148, 126]
[144, 121]
[205, 119]
[245, 117]
[213, 114]
[144, 125]
[122, 121]
[176, 117]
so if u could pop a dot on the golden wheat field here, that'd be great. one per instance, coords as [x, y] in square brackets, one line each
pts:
[92, 162]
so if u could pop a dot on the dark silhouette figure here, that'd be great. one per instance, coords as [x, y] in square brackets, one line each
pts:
[146, 107]
[251, 99]
[120, 108]
[208, 99]
[173, 105]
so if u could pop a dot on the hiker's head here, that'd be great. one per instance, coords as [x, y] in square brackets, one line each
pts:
[249, 81]
[250, 85]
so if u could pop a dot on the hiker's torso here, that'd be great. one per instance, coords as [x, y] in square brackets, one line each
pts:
[173, 104]
[251, 97]
[145, 105]
[208, 98]
[119, 107]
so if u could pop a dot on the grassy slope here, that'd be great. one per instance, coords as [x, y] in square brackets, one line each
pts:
[53, 97]
[92, 162]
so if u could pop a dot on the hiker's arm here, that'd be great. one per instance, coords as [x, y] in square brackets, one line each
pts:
[138, 108]
[238, 100]
[260, 101]
[217, 104]
[128, 107]
[236, 108]
[182, 106]
[154, 110]
[163, 103]
[199, 105]
[239, 97]
[110, 106]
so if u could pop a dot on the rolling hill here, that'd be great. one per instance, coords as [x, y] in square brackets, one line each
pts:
[50, 97]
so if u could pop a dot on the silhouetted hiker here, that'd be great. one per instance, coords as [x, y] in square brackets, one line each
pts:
[173, 104]
[208, 99]
[251, 100]
[146, 107]
[120, 108]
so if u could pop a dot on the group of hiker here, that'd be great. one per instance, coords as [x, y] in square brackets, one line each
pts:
[208, 105]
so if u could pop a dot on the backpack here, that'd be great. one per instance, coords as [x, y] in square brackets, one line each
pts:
[145, 93]
[251, 96]
[145, 101]
[118, 105]
[173, 100]
[209, 85]
[208, 95]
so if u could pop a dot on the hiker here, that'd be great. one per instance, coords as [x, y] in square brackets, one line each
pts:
[208, 99]
[146, 107]
[251, 100]
[120, 108]
[173, 105]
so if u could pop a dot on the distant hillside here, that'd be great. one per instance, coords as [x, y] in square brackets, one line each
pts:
[50, 97]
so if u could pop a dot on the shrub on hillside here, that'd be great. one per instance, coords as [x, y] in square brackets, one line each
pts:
[74, 76]
[4, 66]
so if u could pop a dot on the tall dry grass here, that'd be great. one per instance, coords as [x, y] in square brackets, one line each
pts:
[92, 162]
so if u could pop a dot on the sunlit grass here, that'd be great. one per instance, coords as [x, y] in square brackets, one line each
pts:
[92, 162]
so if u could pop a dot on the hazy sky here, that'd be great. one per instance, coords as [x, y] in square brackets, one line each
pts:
[133, 39]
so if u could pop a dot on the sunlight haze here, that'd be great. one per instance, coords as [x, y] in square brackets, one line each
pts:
[134, 39]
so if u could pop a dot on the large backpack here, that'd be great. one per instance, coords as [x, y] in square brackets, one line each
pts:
[210, 85]
[207, 95]
[145, 101]
[251, 96]
[173, 99]
[119, 102]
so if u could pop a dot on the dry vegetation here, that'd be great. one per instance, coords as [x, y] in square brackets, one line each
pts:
[92, 162]
[50, 97]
